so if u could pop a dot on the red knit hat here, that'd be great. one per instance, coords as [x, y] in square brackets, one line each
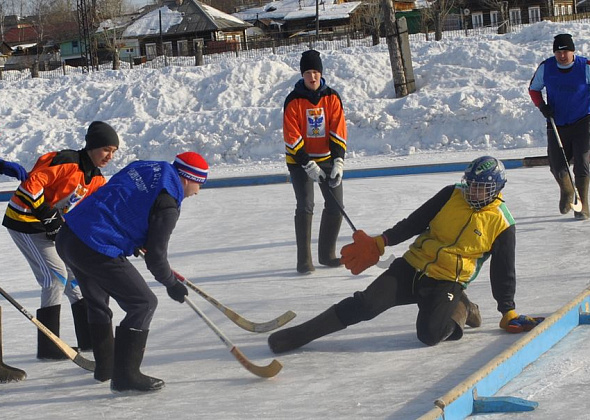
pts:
[192, 166]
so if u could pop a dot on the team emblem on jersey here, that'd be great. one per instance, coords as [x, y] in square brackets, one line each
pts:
[316, 123]
[69, 202]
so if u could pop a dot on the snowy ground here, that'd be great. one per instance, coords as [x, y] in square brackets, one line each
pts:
[238, 245]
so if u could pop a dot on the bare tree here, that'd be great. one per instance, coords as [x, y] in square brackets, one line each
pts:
[437, 11]
[109, 14]
[371, 19]
[502, 7]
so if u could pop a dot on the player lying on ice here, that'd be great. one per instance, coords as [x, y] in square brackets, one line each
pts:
[458, 229]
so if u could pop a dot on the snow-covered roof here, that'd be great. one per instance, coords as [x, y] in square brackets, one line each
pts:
[218, 14]
[299, 9]
[149, 24]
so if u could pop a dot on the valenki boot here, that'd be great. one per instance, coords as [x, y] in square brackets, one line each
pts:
[46, 349]
[329, 229]
[566, 190]
[129, 350]
[303, 237]
[292, 338]
[8, 373]
[80, 315]
[103, 347]
[582, 186]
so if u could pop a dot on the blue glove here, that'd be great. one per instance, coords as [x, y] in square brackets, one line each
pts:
[514, 323]
[13, 169]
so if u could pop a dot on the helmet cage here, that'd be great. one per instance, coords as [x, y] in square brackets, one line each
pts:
[479, 194]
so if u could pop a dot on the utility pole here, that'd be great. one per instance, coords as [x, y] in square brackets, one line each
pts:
[317, 20]
[395, 51]
[87, 50]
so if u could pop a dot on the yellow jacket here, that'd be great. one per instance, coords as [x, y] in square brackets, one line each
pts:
[459, 239]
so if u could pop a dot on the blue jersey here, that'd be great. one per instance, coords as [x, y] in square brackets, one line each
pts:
[115, 219]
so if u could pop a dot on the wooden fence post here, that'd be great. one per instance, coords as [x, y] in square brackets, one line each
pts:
[199, 55]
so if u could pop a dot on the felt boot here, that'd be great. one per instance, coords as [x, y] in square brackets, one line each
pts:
[566, 191]
[80, 315]
[303, 237]
[329, 229]
[46, 349]
[582, 186]
[8, 373]
[103, 348]
[129, 350]
[292, 338]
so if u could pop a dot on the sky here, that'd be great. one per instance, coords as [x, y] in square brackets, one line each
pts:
[238, 243]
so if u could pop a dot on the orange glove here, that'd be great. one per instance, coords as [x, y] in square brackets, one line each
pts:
[363, 253]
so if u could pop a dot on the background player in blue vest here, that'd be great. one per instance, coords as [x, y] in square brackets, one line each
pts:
[566, 80]
[137, 208]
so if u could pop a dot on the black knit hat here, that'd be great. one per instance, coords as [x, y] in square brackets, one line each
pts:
[310, 60]
[100, 134]
[563, 42]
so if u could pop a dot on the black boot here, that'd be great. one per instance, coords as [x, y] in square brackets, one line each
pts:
[46, 349]
[8, 373]
[303, 237]
[329, 229]
[582, 186]
[292, 338]
[81, 325]
[566, 191]
[103, 347]
[129, 349]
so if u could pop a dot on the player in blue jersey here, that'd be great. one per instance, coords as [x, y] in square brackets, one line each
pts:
[566, 80]
[137, 209]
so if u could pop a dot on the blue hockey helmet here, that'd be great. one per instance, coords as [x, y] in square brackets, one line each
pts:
[483, 180]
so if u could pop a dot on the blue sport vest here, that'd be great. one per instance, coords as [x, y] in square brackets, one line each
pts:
[114, 220]
[567, 93]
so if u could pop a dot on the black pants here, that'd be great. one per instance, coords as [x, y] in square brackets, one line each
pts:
[303, 187]
[401, 284]
[576, 145]
[101, 277]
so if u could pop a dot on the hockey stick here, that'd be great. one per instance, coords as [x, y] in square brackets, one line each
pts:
[236, 318]
[72, 354]
[576, 205]
[381, 264]
[267, 371]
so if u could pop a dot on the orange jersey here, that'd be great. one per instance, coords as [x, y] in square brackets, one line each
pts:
[58, 180]
[313, 125]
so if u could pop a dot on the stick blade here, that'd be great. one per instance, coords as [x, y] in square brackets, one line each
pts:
[268, 371]
[84, 363]
[577, 206]
[262, 327]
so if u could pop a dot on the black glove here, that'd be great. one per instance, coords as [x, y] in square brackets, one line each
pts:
[177, 292]
[546, 110]
[52, 222]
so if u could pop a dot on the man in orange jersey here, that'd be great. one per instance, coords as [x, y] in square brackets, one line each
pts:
[55, 185]
[314, 131]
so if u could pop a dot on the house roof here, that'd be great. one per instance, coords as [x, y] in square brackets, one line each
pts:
[20, 35]
[189, 17]
[299, 9]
